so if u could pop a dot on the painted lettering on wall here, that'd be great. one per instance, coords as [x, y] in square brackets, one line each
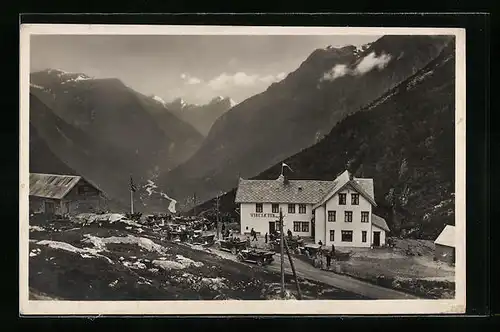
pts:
[263, 215]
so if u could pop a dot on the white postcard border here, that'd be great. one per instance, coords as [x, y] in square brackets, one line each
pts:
[264, 307]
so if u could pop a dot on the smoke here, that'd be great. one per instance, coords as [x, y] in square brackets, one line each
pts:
[371, 61]
[368, 63]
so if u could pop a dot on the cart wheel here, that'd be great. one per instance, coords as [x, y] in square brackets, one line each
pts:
[234, 251]
[259, 262]
[239, 257]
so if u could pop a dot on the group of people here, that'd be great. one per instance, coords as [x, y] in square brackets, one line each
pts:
[321, 255]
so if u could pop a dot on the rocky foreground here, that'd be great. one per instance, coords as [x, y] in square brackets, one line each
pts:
[124, 260]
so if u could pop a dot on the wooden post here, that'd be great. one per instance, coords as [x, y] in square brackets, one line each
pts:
[217, 211]
[282, 256]
[299, 293]
[194, 203]
[131, 201]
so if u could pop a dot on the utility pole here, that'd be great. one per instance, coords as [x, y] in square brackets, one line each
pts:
[299, 293]
[194, 202]
[282, 256]
[131, 201]
[217, 212]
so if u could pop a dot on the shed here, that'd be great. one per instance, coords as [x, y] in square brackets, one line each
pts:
[64, 194]
[445, 245]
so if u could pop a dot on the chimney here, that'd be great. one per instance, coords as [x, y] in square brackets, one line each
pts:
[285, 180]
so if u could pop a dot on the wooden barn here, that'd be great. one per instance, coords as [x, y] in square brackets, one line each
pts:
[56, 194]
[445, 245]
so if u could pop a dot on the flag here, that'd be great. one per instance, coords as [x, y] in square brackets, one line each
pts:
[132, 185]
[285, 165]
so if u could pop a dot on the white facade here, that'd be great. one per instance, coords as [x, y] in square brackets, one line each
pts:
[263, 222]
[349, 222]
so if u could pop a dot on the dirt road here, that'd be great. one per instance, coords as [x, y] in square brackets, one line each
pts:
[345, 283]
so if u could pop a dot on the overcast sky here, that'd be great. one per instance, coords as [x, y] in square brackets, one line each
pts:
[196, 68]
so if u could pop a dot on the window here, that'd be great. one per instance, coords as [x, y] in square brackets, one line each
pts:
[365, 216]
[355, 199]
[275, 208]
[363, 236]
[258, 208]
[291, 208]
[296, 226]
[302, 208]
[332, 216]
[346, 236]
[305, 226]
[342, 199]
[332, 235]
[348, 216]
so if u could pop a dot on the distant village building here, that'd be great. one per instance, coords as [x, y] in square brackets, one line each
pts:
[63, 194]
[445, 245]
[335, 212]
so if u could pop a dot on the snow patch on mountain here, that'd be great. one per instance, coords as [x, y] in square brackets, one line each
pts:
[37, 86]
[151, 187]
[159, 100]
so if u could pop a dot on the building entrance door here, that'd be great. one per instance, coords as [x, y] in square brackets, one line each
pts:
[376, 239]
[272, 227]
[49, 207]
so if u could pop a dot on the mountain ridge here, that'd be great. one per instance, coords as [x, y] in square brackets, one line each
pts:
[404, 140]
[250, 136]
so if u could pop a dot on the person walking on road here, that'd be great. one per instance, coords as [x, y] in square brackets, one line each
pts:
[265, 238]
[253, 234]
[328, 260]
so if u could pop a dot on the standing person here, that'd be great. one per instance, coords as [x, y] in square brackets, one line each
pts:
[265, 238]
[328, 260]
[333, 251]
[289, 232]
[223, 229]
[320, 243]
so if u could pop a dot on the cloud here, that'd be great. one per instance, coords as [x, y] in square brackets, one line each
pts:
[367, 64]
[371, 61]
[191, 80]
[241, 79]
[335, 72]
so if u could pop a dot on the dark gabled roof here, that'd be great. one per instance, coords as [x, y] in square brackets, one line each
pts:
[276, 191]
[311, 192]
[380, 222]
[55, 186]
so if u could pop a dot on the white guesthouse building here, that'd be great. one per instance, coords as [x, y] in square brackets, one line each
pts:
[335, 212]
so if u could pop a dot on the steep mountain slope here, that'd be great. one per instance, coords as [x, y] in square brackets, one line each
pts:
[81, 154]
[404, 140]
[118, 116]
[42, 159]
[202, 117]
[297, 112]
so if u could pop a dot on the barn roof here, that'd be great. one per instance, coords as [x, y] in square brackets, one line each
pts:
[52, 185]
[447, 237]
[380, 222]
[298, 191]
